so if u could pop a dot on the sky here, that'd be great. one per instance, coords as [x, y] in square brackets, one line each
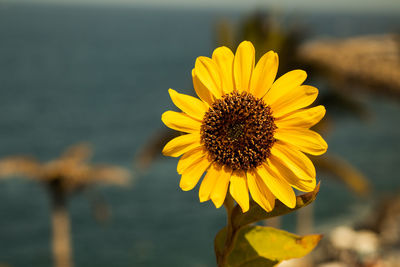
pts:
[312, 5]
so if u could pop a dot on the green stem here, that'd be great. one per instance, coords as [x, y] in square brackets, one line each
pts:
[230, 233]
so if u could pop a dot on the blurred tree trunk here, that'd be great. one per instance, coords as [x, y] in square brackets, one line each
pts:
[305, 220]
[61, 229]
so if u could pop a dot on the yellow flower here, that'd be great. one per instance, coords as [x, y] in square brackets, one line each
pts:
[247, 132]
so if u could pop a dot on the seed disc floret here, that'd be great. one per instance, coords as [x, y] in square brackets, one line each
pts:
[238, 131]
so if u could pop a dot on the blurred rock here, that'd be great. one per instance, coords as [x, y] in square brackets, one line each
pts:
[333, 264]
[342, 237]
[372, 60]
[302, 262]
[366, 242]
[373, 243]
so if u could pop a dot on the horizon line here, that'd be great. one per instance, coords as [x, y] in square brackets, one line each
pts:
[177, 5]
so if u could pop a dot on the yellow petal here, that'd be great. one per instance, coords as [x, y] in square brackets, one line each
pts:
[260, 192]
[243, 66]
[188, 104]
[285, 85]
[208, 183]
[193, 173]
[223, 58]
[296, 161]
[181, 144]
[181, 122]
[201, 90]
[300, 97]
[305, 140]
[221, 187]
[285, 173]
[264, 74]
[279, 187]
[239, 190]
[208, 74]
[189, 158]
[304, 118]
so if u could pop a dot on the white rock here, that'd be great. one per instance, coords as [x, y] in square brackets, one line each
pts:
[301, 262]
[343, 237]
[333, 264]
[366, 242]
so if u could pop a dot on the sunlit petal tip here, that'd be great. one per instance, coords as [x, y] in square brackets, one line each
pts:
[221, 50]
[284, 90]
[192, 175]
[305, 140]
[184, 187]
[295, 160]
[221, 187]
[203, 198]
[245, 208]
[172, 93]
[292, 175]
[301, 74]
[207, 72]
[189, 158]
[325, 145]
[165, 117]
[180, 121]
[223, 58]
[322, 108]
[298, 98]
[273, 56]
[292, 204]
[191, 106]
[217, 202]
[264, 74]
[246, 44]
[278, 186]
[202, 92]
[239, 190]
[243, 66]
[319, 109]
[260, 192]
[303, 118]
[208, 183]
[310, 90]
[181, 144]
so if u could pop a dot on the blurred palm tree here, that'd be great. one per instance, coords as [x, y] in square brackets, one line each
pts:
[63, 176]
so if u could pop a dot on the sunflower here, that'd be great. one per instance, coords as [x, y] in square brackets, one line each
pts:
[247, 132]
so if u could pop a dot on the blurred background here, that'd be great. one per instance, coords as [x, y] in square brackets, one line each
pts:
[98, 72]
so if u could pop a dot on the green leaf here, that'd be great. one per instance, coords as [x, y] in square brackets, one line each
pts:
[267, 246]
[256, 213]
[260, 262]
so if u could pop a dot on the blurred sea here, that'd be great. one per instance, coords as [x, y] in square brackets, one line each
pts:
[71, 74]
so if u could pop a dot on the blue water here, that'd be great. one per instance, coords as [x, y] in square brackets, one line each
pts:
[71, 74]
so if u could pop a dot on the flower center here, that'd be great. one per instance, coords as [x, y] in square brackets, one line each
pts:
[238, 131]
